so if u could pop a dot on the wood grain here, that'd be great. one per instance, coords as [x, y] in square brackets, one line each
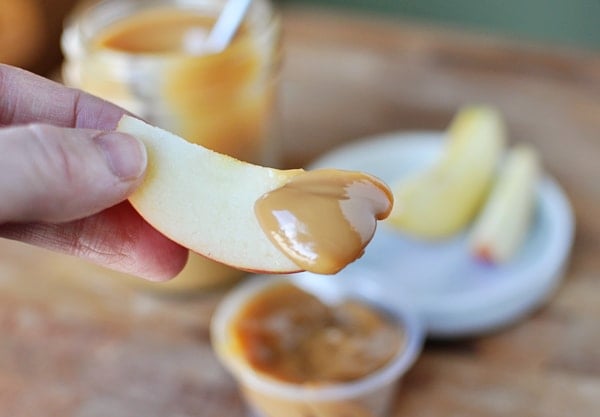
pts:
[77, 341]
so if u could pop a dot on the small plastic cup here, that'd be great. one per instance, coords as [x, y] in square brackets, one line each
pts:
[370, 396]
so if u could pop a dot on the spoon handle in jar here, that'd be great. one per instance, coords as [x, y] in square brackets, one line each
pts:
[227, 24]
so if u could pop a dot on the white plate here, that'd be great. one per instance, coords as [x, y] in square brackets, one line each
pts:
[453, 293]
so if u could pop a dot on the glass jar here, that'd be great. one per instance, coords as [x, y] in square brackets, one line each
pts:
[149, 57]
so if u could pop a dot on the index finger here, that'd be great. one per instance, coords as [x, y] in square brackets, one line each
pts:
[28, 98]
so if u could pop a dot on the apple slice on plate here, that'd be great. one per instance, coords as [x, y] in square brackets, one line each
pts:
[501, 228]
[207, 202]
[443, 199]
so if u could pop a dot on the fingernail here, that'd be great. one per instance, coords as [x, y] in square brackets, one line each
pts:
[125, 155]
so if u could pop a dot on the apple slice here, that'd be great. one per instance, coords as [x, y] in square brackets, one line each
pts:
[207, 202]
[503, 224]
[445, 198]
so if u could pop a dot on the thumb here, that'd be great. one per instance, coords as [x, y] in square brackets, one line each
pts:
[57, 174]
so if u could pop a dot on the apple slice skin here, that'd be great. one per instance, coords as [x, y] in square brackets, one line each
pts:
[204, 200]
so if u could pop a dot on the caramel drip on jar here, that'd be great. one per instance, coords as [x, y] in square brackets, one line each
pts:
[323, 219]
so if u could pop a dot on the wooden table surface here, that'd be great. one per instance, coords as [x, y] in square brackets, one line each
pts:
[75, 342]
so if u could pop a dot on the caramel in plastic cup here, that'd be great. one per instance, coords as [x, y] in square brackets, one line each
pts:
[370, 396]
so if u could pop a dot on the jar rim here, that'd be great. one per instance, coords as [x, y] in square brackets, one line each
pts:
[89, 17]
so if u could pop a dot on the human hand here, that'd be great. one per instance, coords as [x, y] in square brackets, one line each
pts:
[65, 176]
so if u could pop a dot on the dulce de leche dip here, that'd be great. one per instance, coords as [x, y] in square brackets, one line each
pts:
[323, 219]
[290, 335]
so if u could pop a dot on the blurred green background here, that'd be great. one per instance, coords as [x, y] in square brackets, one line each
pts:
[572, 23]
[567, 22]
